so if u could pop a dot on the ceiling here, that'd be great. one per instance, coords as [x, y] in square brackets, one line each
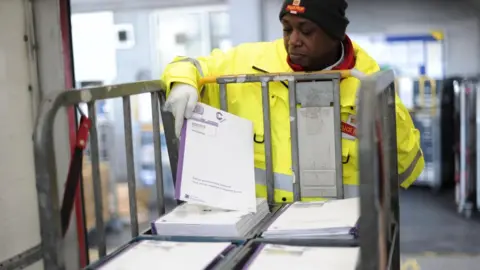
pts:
[125, 5]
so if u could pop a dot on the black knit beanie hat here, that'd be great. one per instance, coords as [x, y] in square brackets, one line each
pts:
[327, 14]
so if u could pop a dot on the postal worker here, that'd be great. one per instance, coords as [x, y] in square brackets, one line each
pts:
[314, 39]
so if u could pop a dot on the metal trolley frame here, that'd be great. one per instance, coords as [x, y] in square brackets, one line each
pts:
[467, 191]
[379, 187]
[379, 180]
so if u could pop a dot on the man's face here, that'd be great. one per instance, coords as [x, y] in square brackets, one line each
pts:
[306, 43]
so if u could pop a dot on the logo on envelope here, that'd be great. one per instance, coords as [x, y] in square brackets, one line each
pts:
[220, 117]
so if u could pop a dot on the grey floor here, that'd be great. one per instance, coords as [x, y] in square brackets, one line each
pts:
[433, 235]
[430, 224]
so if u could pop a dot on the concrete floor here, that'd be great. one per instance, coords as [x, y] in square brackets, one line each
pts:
[433, 236]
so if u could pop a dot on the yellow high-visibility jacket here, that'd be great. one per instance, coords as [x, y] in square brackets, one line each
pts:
[245, 100]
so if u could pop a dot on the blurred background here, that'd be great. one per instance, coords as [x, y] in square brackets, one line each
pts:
[431, 45]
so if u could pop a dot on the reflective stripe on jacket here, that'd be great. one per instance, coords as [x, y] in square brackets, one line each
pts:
[245, 100]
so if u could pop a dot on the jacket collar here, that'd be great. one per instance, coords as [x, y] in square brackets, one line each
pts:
[267, 61]
[274, 62]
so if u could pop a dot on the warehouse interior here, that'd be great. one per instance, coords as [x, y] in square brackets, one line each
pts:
[122, 41]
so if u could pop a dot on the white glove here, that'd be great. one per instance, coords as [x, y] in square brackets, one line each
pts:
[181, 103]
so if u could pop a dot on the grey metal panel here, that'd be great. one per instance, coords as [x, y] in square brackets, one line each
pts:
[317, 152]
[317, 139]
[315, 94]
[320, 140]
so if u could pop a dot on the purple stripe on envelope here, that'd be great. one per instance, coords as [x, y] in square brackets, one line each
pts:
[181, 152]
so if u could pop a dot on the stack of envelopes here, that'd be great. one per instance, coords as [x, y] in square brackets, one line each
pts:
[198, 220]
[294, 257]
[335, 219]
[150, 254]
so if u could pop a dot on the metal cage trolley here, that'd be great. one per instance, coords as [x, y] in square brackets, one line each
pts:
[317, 93]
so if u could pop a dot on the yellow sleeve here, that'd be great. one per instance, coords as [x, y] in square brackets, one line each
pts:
[191, 70]
[410, 156]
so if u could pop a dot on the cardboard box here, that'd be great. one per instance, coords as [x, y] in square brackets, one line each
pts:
[143, 196]
[88, 195]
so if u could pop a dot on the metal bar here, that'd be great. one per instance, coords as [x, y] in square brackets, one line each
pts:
[47, 187]
[23, 259]
[383, 116]
[97, 183]
[394, 255]
[268, 142]
[279, 77]
[158, 153]
[394, 183]
[70, 98]
[84, 219]
[292, 90]
[368, 173]
[463, 146]
[385, 233]
[338, 140]
[223, 97]
[132, 195]
[477, 138]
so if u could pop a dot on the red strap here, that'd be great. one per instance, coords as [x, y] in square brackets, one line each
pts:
[82, 133]
[381, 171]
[74, 173]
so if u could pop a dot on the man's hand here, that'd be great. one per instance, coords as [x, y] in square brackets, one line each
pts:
[181, 103]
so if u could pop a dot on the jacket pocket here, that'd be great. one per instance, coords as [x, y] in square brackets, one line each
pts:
[259, 145]
[349, 158]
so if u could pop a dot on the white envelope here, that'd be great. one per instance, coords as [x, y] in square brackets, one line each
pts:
[216, 161]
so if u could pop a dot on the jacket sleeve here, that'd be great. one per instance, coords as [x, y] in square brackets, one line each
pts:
[191, 70]
[410, 156]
